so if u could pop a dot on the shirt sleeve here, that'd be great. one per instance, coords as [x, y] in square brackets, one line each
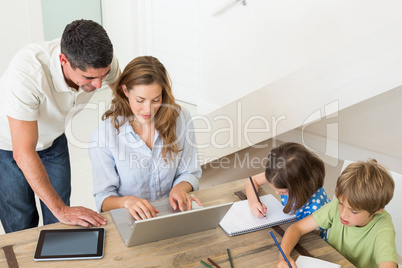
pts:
[188, 168]
[114, 73]
[106, 180]
[317, 200]
[23, 96]
[384, 245]
[325, 215]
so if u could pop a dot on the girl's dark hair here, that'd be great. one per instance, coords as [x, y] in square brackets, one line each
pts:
[291, 166]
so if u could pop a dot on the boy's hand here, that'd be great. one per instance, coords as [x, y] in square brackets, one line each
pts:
[283, 264]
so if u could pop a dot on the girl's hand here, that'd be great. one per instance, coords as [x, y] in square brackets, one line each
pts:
[258, 210]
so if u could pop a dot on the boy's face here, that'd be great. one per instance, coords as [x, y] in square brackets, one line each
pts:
[351, 217]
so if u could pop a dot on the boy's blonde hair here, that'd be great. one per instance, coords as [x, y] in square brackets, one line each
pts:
[366, 186]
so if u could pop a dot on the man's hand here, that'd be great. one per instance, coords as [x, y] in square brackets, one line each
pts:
[80, 216]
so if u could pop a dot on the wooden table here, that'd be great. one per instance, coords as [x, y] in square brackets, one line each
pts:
[255, 249]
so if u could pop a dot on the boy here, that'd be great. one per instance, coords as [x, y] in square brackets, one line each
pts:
[361, 230]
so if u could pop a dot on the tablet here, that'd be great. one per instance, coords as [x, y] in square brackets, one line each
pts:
[70, 244]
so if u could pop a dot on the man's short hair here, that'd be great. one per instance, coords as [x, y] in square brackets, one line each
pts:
[86, 44]
[366, 186]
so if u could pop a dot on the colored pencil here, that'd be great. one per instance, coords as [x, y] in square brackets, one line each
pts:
[206, 264]
[230, 258]
[280, 249]
[256, 194]
[213, 263]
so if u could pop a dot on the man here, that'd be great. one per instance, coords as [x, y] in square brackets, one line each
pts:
[43, 82]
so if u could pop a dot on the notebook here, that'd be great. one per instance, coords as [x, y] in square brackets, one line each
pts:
[309, 262]
[239, 219]
[169, 223]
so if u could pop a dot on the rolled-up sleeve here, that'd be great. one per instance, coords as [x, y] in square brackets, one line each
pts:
[106, 180]
[188, 168]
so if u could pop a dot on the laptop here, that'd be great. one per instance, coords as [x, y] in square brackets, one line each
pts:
[168, 223]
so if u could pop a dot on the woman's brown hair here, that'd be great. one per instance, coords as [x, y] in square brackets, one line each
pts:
[147, 70]
[291, 166]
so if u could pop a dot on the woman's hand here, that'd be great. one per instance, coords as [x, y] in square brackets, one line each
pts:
[179, 197]
[140, 208]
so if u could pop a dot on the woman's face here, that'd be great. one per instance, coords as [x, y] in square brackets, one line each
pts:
[145, 101]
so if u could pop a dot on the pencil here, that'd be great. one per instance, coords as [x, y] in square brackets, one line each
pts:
[280, 249]
[206, 264]
[230, 259]
[256, 194]
[213, 263]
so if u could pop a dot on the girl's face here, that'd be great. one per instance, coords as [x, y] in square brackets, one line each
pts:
[279, 191]
[145, 101]
[351, 217]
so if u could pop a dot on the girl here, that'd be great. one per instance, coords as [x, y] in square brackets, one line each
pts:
[297, 175]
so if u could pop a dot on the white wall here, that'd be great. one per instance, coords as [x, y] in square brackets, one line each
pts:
[365, 130]
[247, 48]
[353, 74]
[121, 20]
[270, 66]
[20, 24]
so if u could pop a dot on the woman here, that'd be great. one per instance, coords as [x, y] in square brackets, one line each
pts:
[143, 150]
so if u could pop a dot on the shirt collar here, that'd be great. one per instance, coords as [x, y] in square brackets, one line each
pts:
[126, 128]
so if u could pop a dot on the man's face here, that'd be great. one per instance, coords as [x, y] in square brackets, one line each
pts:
[88, 80]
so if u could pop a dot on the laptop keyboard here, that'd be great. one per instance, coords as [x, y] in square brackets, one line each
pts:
[164, 208]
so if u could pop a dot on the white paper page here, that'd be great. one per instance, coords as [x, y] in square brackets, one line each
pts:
[239, 216]
[309, 262]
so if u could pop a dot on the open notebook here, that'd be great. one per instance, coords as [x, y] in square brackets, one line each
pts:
[239, 219]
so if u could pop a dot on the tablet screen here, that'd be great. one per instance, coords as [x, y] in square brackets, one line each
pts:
[68, 244]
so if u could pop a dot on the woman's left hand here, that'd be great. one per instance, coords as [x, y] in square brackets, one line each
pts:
[180, 198]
